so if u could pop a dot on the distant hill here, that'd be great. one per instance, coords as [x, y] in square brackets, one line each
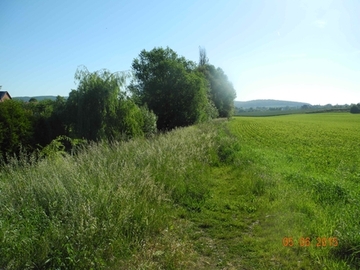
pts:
[38, 98]
[268, 103]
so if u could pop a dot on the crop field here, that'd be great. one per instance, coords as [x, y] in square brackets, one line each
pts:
[308, 175]
[328, 143]
[288, 112]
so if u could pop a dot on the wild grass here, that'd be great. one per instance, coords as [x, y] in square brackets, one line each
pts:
[95, 209]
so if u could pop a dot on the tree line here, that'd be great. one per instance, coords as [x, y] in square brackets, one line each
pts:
[355, 108]
[165, 91]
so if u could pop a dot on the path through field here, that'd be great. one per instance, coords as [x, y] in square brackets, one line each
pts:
[289, 201]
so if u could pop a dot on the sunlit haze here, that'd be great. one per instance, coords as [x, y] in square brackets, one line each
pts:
[306, 51]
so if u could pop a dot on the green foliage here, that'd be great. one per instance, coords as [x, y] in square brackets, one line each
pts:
[100, 110]
[312, 163]
[47, 119]
[95, 209]
[355, 108]
[60, 146]
[211, 110]
[221, 90]
[167, 91]
[129, 120]
[32, 100]
[192, 198]
[15, 127]
[171, 87]
[228, 147]
[94, 103]
[150, 119]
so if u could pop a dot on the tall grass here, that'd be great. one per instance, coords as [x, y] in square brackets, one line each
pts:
[94, 209]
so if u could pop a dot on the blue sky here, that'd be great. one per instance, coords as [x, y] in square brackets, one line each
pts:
[303, 50]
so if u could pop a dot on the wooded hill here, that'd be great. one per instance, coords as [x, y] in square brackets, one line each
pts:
[38, 98]
[268, 103]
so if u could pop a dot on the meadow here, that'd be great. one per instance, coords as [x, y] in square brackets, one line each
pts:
[249, 193]
[308, 175]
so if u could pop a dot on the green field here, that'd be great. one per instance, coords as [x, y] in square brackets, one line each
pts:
[250, 193]
[308, 168]
[289, 112]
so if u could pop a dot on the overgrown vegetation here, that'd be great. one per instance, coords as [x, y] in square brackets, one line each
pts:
[166, 91]
[100, 109]
[95, 209]
[218, 195]
[180, 92]
[15, 127]
[89, 183]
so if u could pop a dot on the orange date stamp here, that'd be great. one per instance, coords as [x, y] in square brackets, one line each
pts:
[308, 242]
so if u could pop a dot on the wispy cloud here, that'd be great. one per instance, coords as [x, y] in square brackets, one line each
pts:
[320, 23]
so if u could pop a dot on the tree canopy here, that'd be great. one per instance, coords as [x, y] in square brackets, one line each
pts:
[99, 109]
[94, 102]
[166, 91]
[171, 86]
[222, 92]
[355, 108]
[15, 127]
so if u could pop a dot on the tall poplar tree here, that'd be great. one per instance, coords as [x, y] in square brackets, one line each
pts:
[222, 92]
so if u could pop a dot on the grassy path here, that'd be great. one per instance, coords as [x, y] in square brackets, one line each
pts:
[221, 227]
[227, 224]
[238, 229]
[273, 190]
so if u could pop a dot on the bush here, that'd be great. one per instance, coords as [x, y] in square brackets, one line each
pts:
[149, 117]
[15, 128]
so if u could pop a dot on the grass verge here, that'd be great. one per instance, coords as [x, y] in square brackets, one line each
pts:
[98, 208]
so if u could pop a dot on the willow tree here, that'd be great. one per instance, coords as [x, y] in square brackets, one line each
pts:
[97, 109]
